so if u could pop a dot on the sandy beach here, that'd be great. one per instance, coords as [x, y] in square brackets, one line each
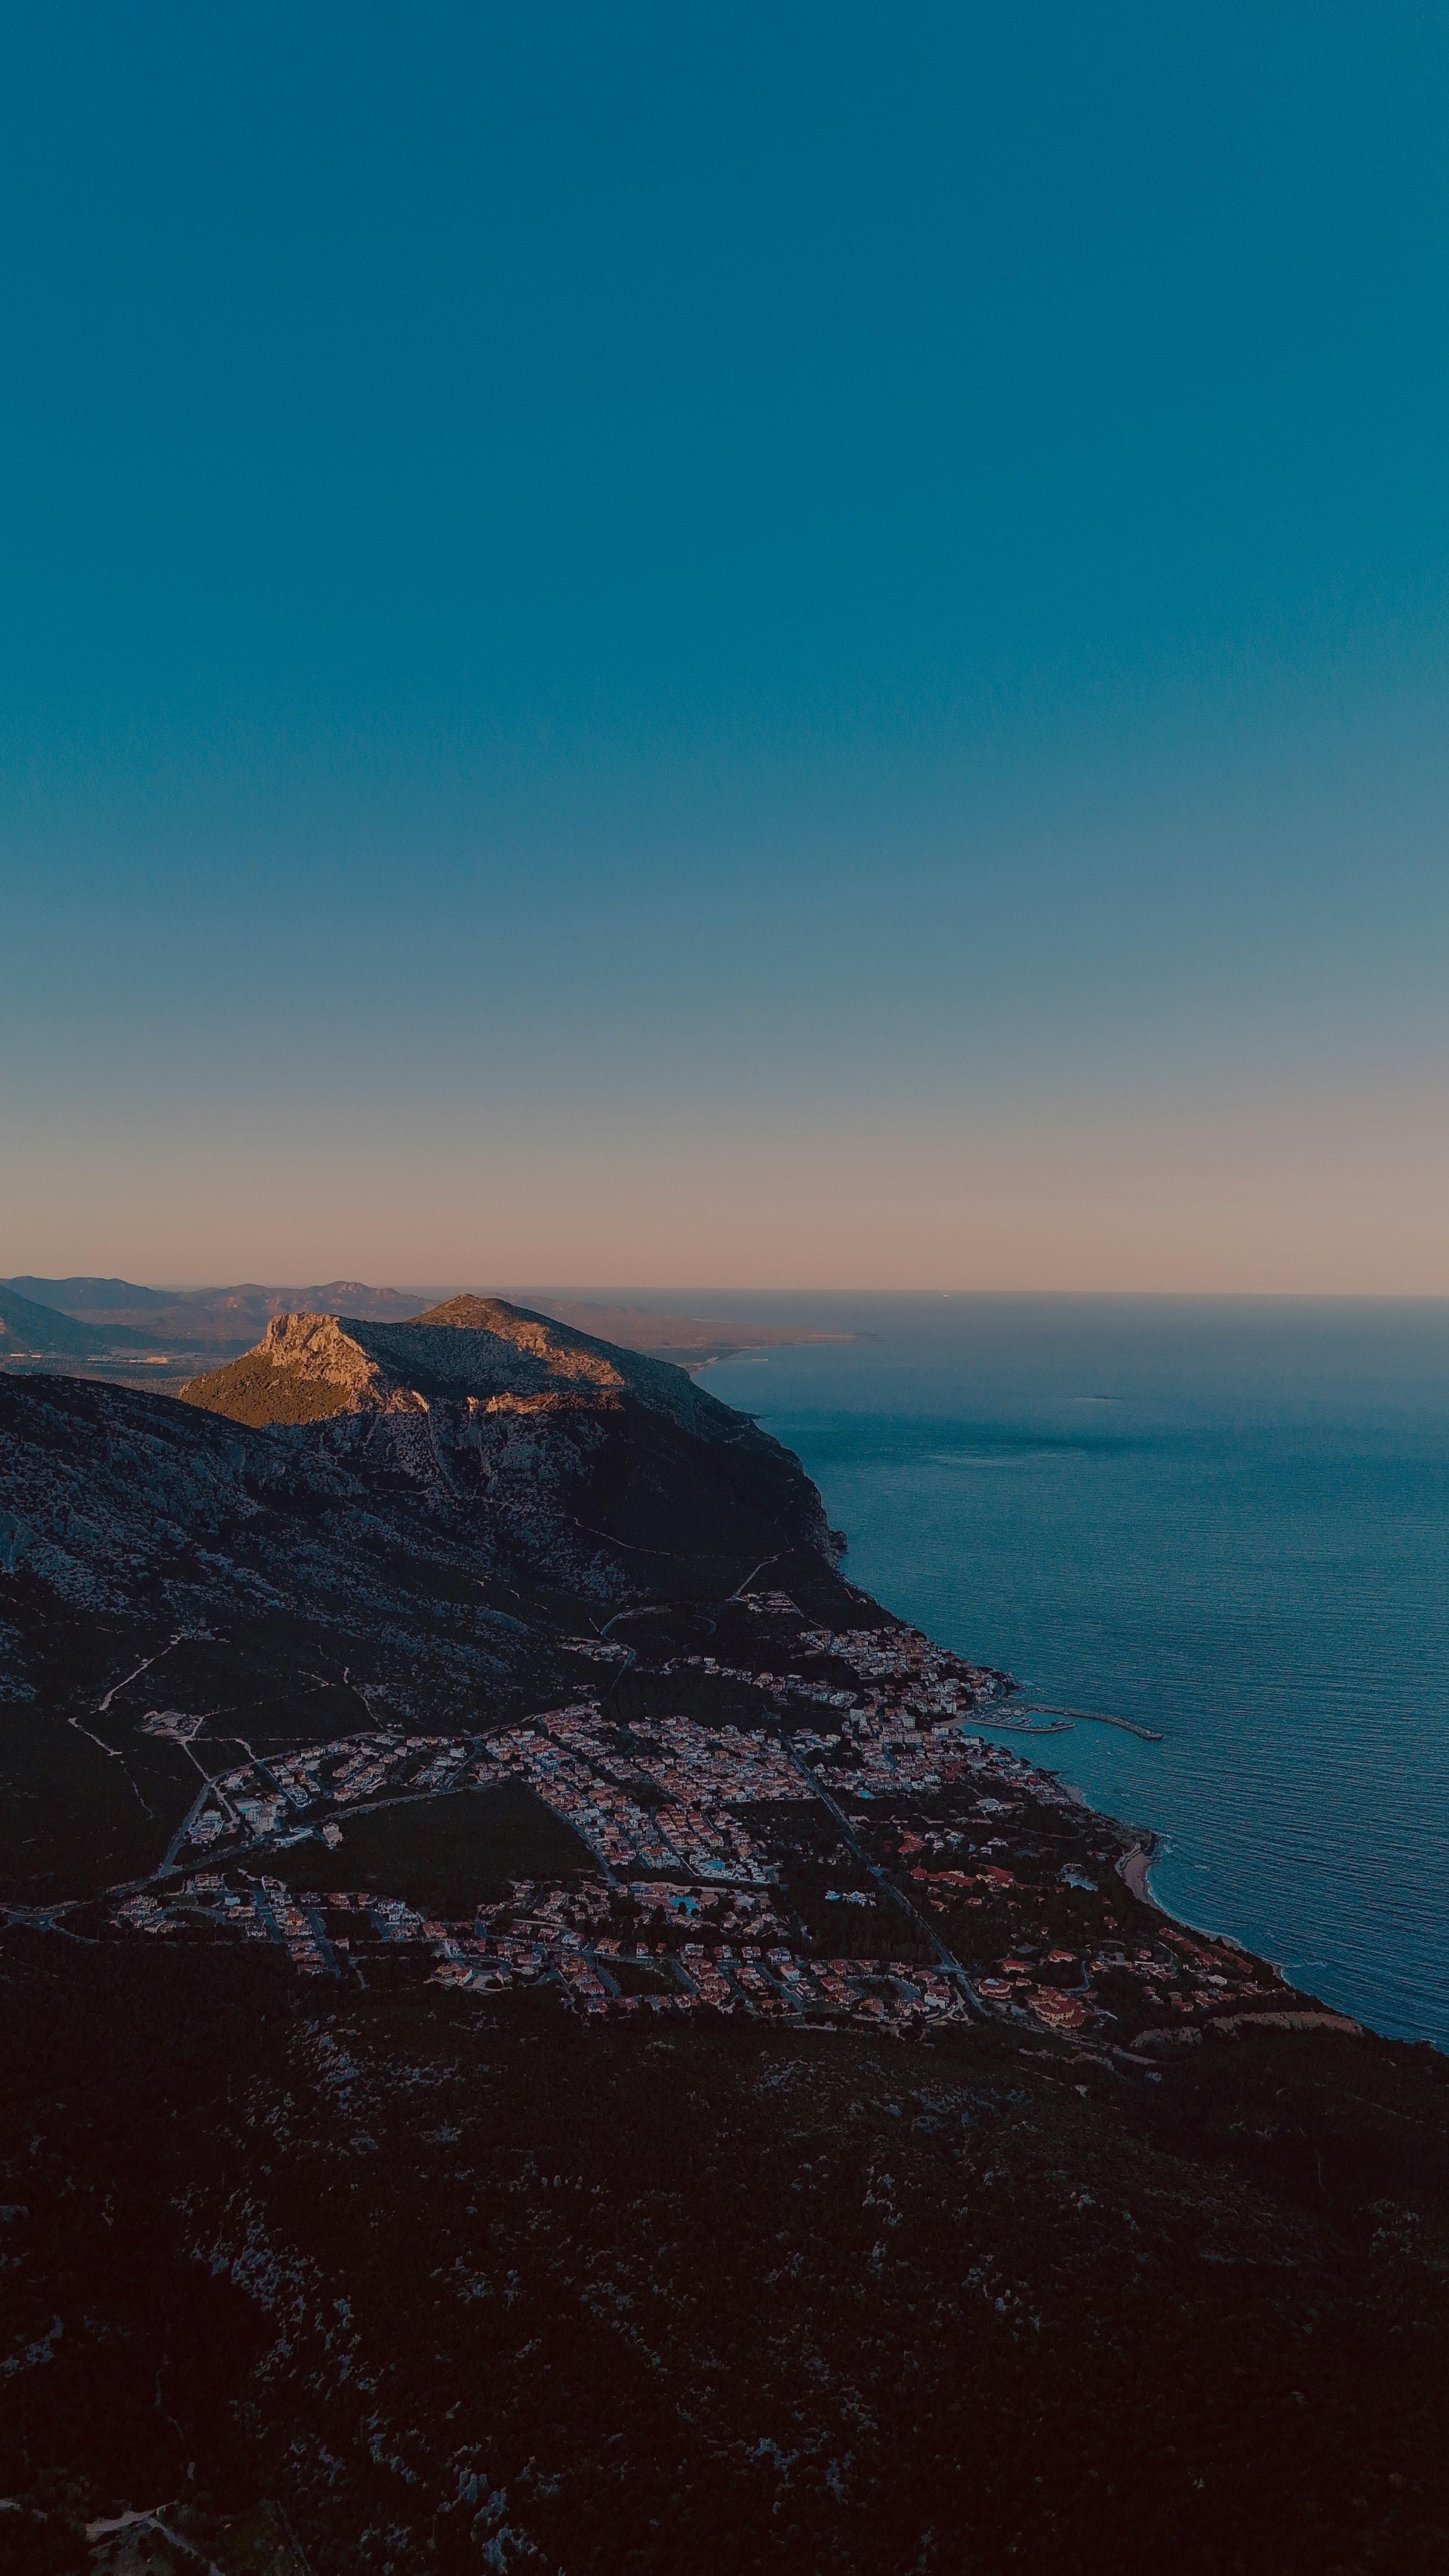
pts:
[1134, 1866]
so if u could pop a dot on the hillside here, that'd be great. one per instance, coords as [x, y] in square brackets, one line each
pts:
[532, 2046]
[232, 1316]
[356, 1523]
[470, 1347]
[29, 1328]
[98, 1300]
[422, 2287]
[241, 1581]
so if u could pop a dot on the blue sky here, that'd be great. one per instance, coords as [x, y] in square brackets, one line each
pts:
[745, 646]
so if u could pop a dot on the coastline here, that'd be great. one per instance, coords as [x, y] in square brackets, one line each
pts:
[1135, 1870]
[1135, 1867]
[1079, 1567]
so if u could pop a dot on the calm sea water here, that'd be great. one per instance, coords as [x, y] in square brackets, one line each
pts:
[1226, 1518]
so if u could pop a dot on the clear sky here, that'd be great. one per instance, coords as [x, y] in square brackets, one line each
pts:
[793, 644]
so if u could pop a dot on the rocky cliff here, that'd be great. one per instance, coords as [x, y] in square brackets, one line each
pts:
[569, 1459]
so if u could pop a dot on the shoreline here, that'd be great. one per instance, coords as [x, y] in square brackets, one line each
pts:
[1134, 1869]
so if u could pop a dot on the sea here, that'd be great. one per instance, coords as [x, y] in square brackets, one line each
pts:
[1223, 1519]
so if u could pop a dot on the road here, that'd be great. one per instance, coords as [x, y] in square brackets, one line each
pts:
[947, 1958]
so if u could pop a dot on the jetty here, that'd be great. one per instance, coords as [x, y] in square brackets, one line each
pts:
[1094, 1717]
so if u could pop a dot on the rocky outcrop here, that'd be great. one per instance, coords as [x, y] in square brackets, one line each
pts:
[309, 1366]
[572, 1460]
[304, 1369]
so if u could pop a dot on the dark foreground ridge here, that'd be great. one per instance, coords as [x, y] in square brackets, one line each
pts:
[543, 2034]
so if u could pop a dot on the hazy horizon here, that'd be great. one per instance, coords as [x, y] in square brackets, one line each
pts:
[624, 1291]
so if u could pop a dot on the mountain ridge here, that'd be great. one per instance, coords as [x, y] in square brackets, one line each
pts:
[518, 1354]
[531, 1426]
[198, 1316]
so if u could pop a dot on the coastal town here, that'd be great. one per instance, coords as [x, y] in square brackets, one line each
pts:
[849, 1846]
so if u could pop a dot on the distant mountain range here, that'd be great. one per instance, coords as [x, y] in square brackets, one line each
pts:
[197, 1317]
[127, 1316]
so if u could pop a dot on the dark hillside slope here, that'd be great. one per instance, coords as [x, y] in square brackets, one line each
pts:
[452, 2296]
[29, 1327]
[236, 1578]
[572, 1460]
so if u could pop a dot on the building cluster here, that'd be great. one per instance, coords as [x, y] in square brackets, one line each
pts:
[270, 1799]
[880, 1683]
[707, 1838]
[651, 1800]
[1177, 1978]
[672, 1947]
[599, 1650]
[653, 1805]
[874, 1757]
[557, 1937]
[891, 1667]
[744, 1980]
